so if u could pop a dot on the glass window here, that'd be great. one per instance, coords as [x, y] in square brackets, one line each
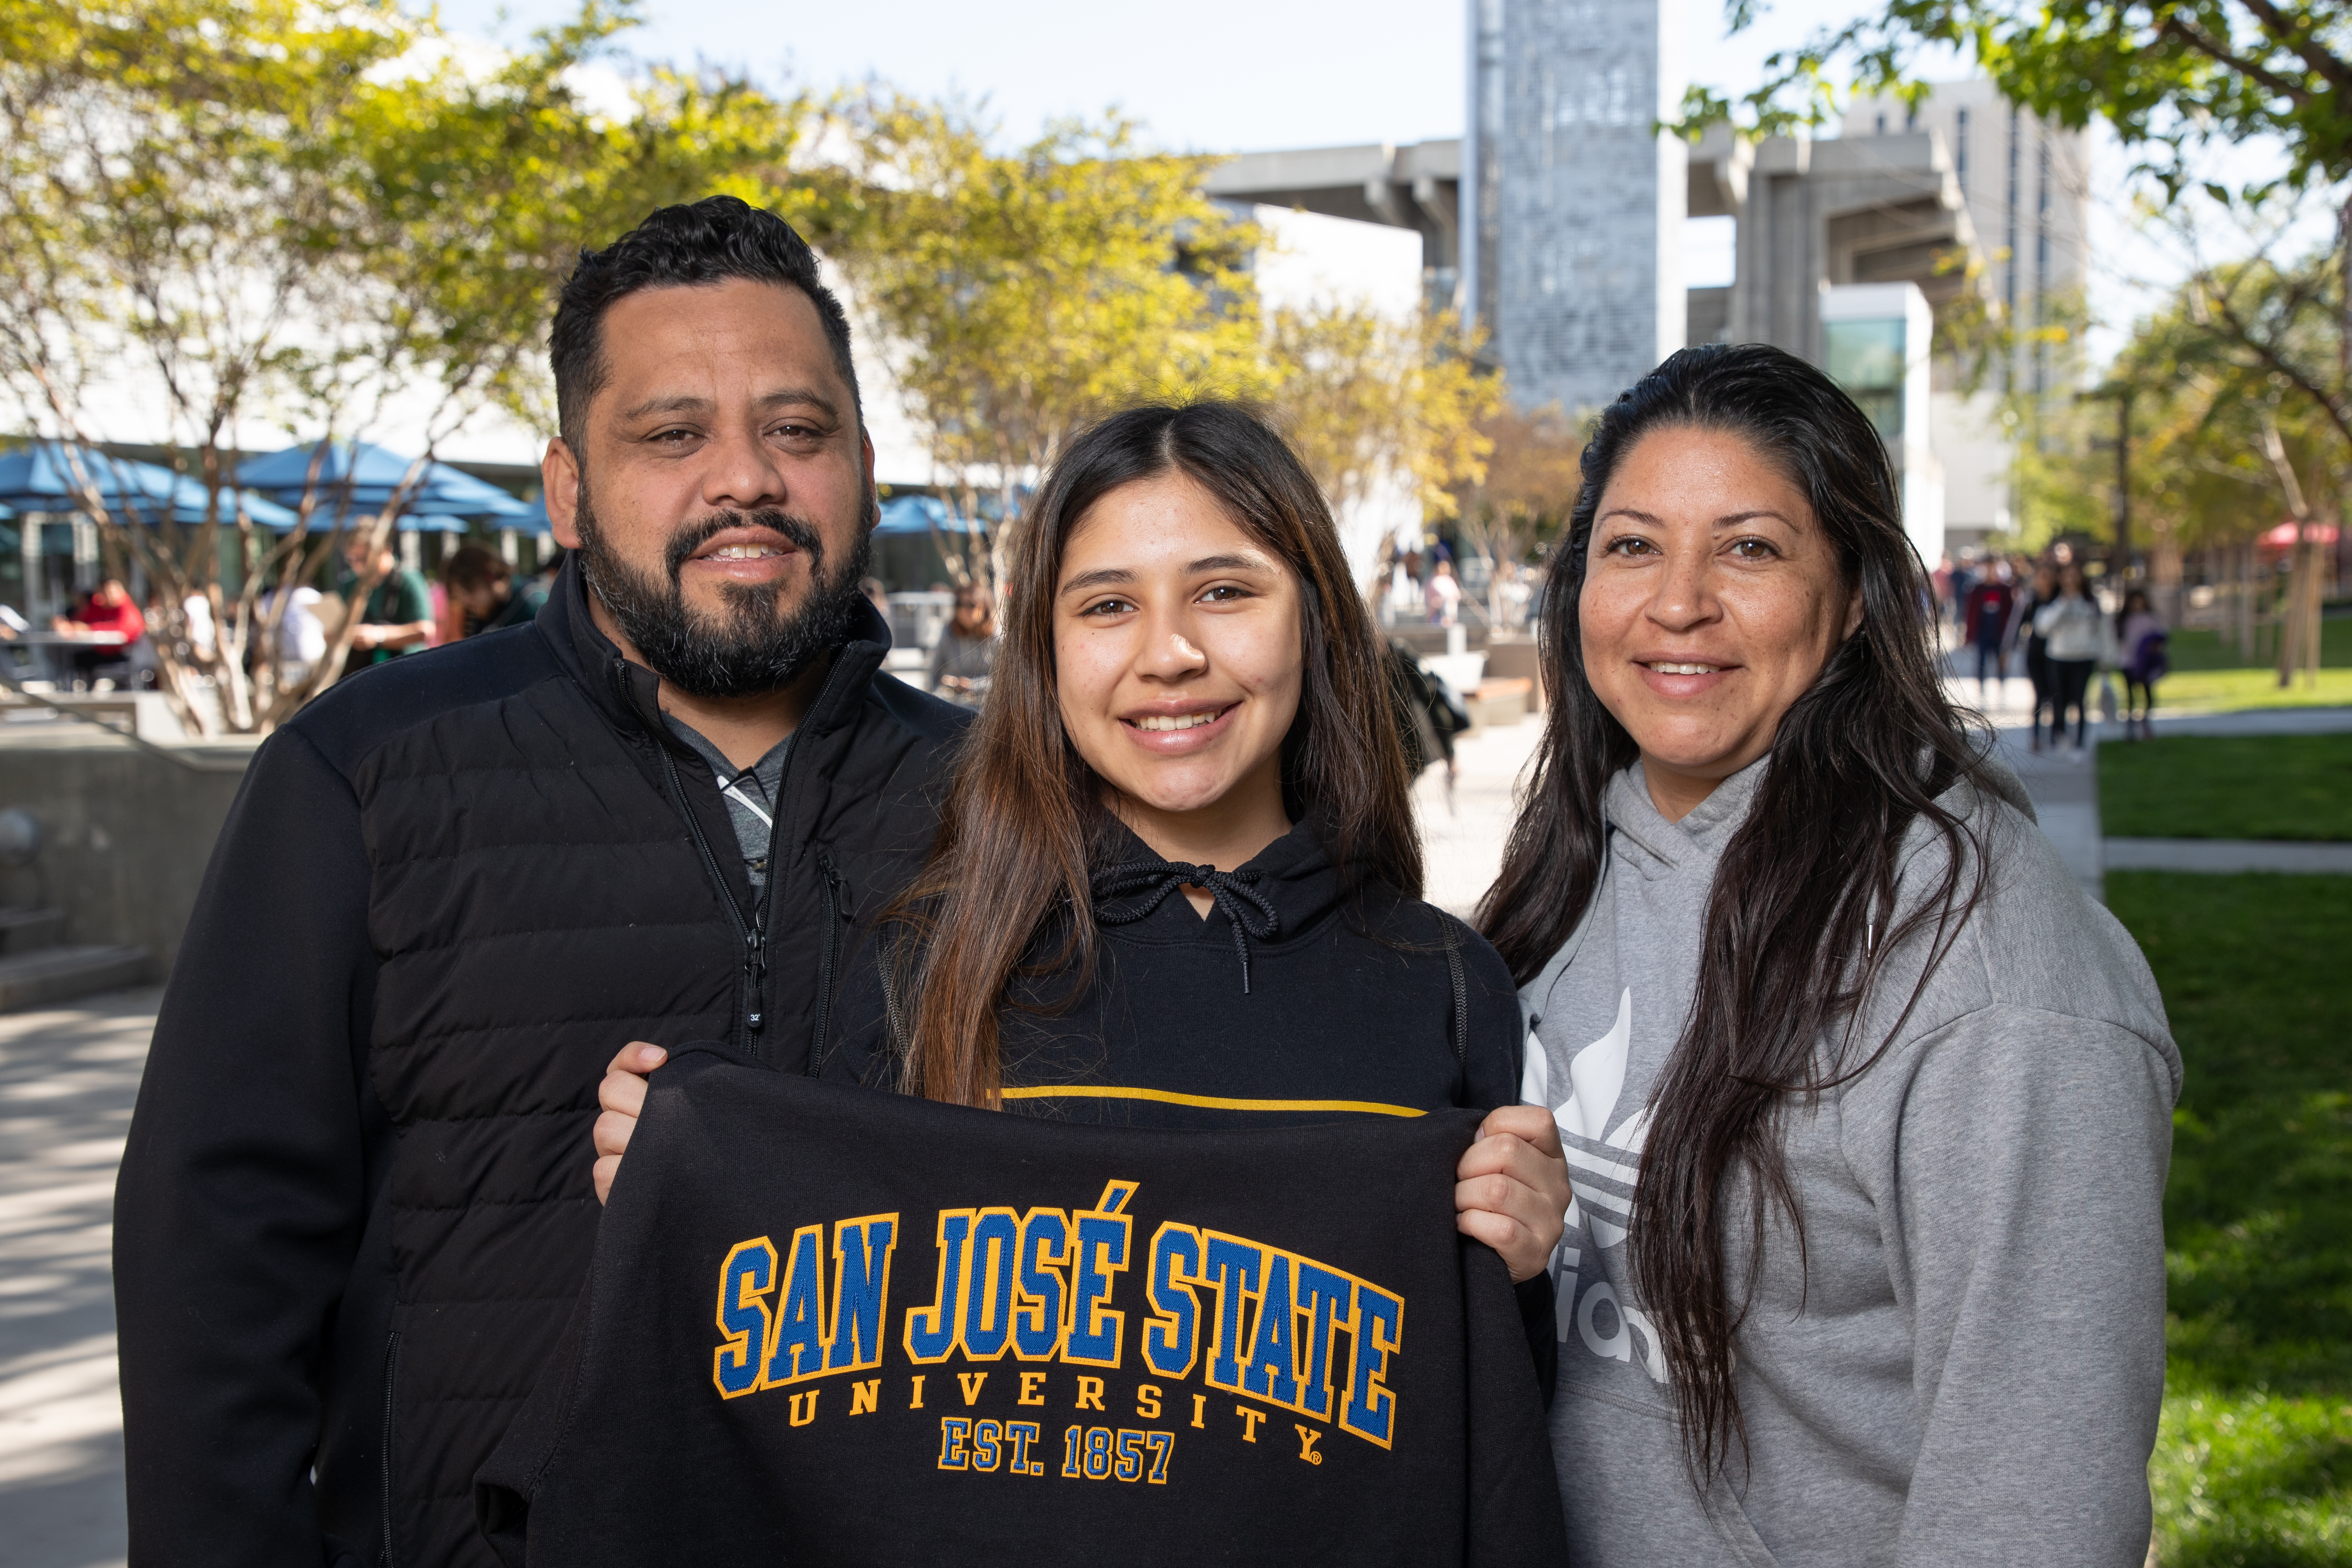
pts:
[1866, 358]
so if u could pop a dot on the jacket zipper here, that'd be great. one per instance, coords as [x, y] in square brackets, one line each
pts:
[391, 1382]
[748, 935]
[838, 886]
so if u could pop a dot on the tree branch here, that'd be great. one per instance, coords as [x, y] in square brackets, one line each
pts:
[2290, 34]
[2329, 403]
[2204, 44]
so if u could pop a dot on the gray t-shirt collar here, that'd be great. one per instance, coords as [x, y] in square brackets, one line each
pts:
[750, 793]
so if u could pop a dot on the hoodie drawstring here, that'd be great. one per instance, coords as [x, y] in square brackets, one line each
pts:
[1245, 906]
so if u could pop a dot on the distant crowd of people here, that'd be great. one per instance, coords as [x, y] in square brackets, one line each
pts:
[398, 613]
[2045, 608]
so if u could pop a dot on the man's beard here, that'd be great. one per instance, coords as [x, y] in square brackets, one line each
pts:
[753, 645]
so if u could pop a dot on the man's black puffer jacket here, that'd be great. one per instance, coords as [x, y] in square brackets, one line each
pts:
[356, 1206]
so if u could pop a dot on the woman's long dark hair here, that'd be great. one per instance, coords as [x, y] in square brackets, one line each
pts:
[1797, 923]
[1025, 817]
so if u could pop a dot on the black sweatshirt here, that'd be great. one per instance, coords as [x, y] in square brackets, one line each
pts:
[1377, 1005]
[1370, 1004]
[830, 1326]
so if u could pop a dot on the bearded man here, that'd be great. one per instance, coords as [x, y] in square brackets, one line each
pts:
[356, 1202]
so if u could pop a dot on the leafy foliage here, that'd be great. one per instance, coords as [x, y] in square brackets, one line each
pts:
[289, 214]
[2170, 76]
[1365, 397]
[1019, 296]
[1522, 500]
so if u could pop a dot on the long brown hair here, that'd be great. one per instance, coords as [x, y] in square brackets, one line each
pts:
[1025, 817]
[1800, 919]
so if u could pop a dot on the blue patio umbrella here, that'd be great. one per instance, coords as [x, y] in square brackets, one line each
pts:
[43, 476]
[532, 521]
[360, 479]
[921, 514]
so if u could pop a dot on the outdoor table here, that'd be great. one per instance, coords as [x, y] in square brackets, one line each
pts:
[56, 660]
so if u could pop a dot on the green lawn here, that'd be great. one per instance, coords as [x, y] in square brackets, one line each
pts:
[2195, 650]
[2228, 691]
[2253, 1464]
[2208, 675]
[2236, 786]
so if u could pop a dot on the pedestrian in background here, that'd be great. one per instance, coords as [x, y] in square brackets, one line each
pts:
[2074, 637]
[1962, 582]
[483, 587]
[966, 648]
[2142, 645]
[301, 634]
[109, 610]
[2042, 590]
[1444, 595]
[1866, 1105]
[1986, 621]
[393, 605]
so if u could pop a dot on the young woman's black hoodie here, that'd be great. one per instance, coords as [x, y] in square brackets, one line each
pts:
[1293, 1000]
[1290, 1002]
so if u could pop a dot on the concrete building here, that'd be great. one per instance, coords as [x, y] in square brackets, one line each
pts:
[1573, 258]
[1556, 223]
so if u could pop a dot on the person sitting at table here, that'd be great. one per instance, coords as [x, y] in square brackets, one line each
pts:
[396, 614]
[482, 585]
[110, 611]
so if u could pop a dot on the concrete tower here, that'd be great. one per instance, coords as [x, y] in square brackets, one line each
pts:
[1573, 253]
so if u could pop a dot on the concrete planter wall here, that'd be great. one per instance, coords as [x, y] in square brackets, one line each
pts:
[126, 834]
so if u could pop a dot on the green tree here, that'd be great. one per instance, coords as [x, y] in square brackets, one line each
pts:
[1017, 296]
[282, 215]
[2170, 76]
[1521, 501]
[2246, 431]
[1369, 400]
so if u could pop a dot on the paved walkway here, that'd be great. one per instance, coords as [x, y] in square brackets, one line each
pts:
[2224, 855]
[1462, 836]
[2065, 789]
[67, 1077]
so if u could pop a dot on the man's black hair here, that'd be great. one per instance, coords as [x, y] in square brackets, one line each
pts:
[709, 241]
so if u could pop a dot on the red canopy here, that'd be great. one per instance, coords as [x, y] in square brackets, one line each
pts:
[2283, 537]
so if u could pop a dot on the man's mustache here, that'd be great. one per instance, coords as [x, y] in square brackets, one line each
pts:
[799, 531]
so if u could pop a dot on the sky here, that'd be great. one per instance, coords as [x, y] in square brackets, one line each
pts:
[1224, 76]
[1213, 76]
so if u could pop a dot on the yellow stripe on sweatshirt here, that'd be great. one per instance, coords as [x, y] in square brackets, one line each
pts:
[1207, 1101]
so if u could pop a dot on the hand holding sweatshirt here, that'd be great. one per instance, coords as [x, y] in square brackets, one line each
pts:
[1965, 1364]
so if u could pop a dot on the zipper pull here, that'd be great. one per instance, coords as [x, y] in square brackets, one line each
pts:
[754, 972]
[835, 883]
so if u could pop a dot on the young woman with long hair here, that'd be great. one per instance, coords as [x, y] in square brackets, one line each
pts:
[2140, 657]
[1177, 880]
[2073, 637]
[1867, 1106]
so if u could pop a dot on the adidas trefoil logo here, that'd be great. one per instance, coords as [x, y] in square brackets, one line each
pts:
[1596, 1078]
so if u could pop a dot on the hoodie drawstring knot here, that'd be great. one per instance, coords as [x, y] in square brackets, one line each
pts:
[1245, 908]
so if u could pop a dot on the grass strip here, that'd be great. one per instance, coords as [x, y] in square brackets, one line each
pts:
[2232, 787]
[2253, 1464]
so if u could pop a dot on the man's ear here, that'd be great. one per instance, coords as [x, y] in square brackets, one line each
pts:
[559, 477]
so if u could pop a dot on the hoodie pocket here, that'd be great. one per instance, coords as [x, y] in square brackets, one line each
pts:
[1730, 1518]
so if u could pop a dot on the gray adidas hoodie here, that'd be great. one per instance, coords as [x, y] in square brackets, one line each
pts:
[1968, 1366]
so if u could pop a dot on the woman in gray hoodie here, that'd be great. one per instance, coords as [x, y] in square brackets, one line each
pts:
[1867, 1107]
